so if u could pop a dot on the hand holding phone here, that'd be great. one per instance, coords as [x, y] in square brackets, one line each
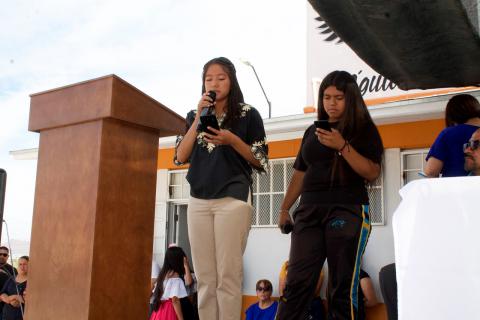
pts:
[208, 121]
[322, 124]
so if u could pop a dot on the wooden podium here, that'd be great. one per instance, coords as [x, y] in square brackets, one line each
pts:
[92, 232]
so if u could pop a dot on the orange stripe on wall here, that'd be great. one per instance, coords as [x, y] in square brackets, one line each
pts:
[283, 149]
[416, 95]
[165, 159]
[408, 135]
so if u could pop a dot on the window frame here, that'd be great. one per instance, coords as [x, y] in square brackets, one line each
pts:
[403, 153]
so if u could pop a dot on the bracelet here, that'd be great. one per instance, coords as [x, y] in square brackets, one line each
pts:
[284, 210]
[346, 144]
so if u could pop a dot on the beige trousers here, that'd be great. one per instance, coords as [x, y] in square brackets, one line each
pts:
[218, 231]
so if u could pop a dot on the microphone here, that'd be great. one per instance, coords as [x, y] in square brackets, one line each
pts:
[206, 111]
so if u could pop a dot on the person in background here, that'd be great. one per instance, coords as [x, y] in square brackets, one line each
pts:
[367, 297]
[6, 271]
[4, 265]
[155, 272]
[220, 175]
[388, 284]
[472, 154]
[266, 307]
[462, 118]
[316, 310]
[12, 292]
[189, 303]
[170, 287]
[331, 222]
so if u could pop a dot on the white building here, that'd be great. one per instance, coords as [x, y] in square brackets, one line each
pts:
[408, 128]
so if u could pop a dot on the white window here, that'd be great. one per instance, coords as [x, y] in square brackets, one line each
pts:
[412, 163]
[269, 190]
[375, 197]
[178, 186]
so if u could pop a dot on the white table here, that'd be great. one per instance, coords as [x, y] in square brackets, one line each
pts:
[437, 249]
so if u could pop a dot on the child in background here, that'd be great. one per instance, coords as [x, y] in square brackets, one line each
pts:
[170, 287]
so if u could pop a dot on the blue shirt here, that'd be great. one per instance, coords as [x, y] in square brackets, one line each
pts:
[448, 147]
[255, 313]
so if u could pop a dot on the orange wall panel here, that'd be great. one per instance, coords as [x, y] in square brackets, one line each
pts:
[283, 149]
[418, 134]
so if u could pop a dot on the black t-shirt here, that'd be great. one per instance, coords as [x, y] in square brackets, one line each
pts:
[318, 161]
[219, 171]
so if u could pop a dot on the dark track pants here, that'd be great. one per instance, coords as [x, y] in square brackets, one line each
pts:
[338, 233]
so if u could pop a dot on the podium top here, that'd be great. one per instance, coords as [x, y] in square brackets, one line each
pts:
[105, 97]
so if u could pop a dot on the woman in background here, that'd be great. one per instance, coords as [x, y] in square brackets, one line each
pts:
[266, 307]
[170, 286]
[462, 118]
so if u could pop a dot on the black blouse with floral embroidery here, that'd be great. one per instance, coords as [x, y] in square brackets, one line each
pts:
[219, 171]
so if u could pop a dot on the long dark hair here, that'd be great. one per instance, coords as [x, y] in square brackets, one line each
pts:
[355, 116]
[173, 262]
[235, 96]
[460, 108]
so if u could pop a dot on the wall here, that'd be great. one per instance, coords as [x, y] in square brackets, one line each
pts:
[267, 249]
[160, 223]
[380, 249]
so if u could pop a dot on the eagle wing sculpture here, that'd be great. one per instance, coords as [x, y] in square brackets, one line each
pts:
[419, 44]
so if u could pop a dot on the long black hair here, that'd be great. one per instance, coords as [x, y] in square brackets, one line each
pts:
[356, 114]
[460, 109]
[235, 96]
[354, 117]
[173, 262]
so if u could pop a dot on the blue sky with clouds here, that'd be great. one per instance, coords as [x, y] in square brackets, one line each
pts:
[158, 46]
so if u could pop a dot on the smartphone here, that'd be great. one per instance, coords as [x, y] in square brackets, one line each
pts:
[208, 121]
[323, 124]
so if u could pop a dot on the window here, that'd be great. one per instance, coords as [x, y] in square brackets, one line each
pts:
[178, 186]
[269, 190]
[375, 196]
[412, 163]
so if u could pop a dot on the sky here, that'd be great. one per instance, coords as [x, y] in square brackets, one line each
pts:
[158, 46]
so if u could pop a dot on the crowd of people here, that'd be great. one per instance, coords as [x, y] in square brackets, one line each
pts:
[339, 154]
[13, 284]
[177, 298]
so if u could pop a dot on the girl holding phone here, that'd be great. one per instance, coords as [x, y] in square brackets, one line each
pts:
[220, 210]
[331, 221]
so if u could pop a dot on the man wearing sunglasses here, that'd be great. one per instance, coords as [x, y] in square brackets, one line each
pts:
[471, 152]
[6, 271]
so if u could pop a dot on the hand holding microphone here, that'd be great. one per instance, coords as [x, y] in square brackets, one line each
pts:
[207, 103]
[207, 117]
